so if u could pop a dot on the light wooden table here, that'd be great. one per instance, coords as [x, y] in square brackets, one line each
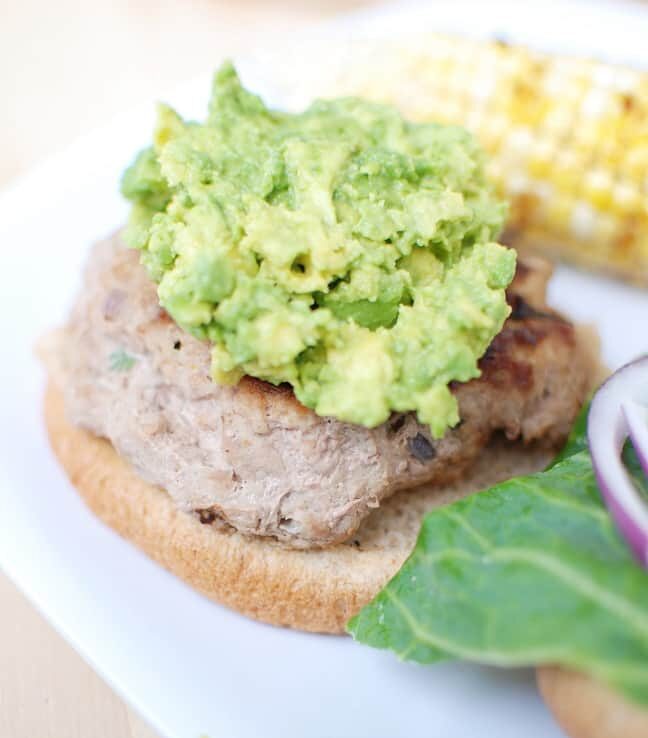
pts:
[65, 66]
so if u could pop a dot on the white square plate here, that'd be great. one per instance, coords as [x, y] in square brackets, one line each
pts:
[191, 667]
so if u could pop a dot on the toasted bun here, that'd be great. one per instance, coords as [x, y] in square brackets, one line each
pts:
[315, 590]
[585, 708]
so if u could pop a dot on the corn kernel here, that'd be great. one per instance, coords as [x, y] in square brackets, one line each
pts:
[567, 137]
[583, 219]
[541, 159]
[568, 169]
[605, 230]
[597, 189]
[636, 163]
[559, 212]
[627, 199]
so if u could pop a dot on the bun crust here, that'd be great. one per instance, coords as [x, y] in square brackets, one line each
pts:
[313, 590]
[585, 708]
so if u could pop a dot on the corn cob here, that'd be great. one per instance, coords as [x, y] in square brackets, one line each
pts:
[567, 137]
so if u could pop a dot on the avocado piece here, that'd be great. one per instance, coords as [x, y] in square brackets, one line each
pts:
[341, 249]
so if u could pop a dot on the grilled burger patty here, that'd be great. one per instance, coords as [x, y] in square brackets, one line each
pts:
[253, 457]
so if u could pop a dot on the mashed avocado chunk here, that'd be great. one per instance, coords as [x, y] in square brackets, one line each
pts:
[343, 250]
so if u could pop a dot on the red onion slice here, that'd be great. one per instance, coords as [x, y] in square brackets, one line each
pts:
[620, 410]
[637, 419]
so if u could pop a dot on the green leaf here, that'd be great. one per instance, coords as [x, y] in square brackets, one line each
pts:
[633, 466]
[577, 440]
[529, 572]
[120, 361]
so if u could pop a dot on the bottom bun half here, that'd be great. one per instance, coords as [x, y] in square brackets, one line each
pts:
[585, 708]
[314, 590]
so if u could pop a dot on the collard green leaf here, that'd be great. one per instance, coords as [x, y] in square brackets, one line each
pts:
[633, 466]
[529, 572]
[577, 440]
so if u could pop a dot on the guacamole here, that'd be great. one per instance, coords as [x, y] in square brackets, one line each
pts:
[342, 249]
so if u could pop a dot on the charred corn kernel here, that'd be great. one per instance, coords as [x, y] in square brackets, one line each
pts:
[567, 137]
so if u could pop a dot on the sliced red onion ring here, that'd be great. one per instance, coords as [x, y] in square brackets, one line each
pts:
[637, 419]
[620, 410]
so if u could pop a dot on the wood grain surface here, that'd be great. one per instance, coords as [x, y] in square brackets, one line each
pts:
[46, 689]
[65, 67]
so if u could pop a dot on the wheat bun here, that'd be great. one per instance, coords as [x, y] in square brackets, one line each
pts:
[585, 708]
[313, 590]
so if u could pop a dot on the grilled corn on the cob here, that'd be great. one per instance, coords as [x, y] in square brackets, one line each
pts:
[567, 137]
